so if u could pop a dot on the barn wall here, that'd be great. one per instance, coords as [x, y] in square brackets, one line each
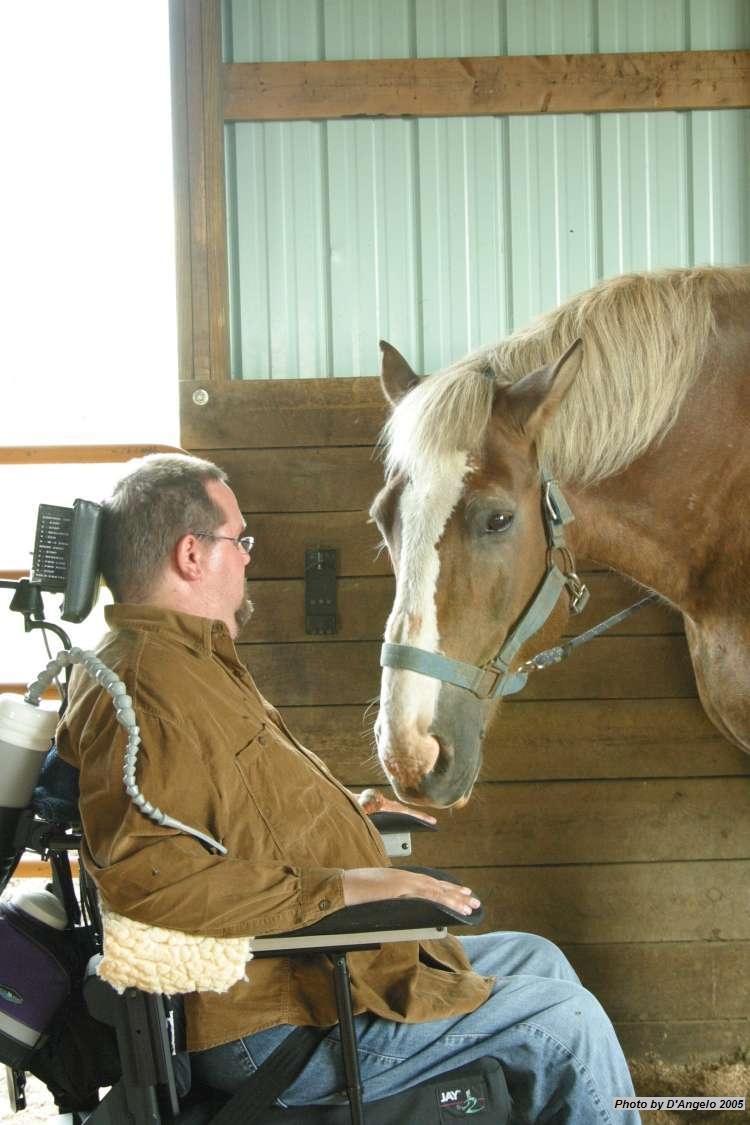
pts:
[443, 234]
[610, 817]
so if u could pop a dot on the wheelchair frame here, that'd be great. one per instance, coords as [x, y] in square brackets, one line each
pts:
[148, 1027]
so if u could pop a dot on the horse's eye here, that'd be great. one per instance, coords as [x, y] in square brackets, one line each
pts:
[499, 521]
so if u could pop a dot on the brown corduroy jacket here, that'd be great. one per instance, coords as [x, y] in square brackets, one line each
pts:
[217, 757]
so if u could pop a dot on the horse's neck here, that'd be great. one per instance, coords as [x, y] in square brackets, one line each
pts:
[628, 532]
[670, 520]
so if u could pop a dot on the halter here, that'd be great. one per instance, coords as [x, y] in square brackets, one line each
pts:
[495, 678]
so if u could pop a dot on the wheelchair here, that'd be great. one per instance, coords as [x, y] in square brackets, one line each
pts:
[118, 1058]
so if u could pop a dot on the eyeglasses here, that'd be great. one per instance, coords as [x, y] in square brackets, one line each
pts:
[244, 542]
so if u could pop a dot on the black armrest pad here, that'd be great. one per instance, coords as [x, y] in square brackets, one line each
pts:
[400, 822]
[390, 914]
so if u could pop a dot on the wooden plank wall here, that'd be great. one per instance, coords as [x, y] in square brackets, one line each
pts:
[610, 816]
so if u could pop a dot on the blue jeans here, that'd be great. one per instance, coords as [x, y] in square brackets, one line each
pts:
[557, 1047]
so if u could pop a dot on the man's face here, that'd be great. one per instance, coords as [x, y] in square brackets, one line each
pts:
[225, 562]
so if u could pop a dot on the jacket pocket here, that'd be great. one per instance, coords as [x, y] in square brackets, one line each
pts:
[299, 806]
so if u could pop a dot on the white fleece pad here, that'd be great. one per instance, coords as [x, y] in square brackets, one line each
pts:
[159, 960]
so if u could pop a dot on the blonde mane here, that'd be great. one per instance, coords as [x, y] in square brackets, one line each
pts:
[645, 337]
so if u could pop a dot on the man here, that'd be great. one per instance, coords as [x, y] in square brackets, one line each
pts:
[216, 756]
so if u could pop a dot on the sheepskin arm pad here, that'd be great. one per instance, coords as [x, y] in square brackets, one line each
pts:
[155, 959]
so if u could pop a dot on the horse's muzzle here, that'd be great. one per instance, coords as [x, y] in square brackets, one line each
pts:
[448, 784]
[437, 764]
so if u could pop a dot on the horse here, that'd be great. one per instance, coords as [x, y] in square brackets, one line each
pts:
[614, 428]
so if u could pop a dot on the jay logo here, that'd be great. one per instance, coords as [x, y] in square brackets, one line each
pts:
[463, 1103]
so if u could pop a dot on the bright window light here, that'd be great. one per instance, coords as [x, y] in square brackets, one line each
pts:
[89, 325]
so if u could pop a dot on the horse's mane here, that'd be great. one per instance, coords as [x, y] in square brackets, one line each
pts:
[645, 336]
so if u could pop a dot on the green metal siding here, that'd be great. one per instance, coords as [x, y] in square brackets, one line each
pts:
[443, 234]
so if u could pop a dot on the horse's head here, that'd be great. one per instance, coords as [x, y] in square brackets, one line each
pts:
[462, 516]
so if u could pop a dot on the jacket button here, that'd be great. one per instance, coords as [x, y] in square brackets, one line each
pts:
[324, 904]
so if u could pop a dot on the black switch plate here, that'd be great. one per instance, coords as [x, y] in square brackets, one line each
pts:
[320, 590]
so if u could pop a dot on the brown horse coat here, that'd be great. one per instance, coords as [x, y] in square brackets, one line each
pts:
[648, 438]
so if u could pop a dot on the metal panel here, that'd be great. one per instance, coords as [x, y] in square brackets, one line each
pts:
[720, 157]
[441, 235]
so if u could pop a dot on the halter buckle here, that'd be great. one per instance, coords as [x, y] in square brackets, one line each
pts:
[578, 592]
[494, 674]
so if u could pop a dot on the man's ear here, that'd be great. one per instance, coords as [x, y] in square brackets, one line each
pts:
[186, 557]
[533, 400]
[396, 377]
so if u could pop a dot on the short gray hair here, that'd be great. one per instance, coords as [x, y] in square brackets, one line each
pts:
[159, 499]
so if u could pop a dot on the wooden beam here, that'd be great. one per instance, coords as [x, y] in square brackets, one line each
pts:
[299, 675]
[21, 689]
[77, 454]
[463, 87]
[645, 981]
[530, 823]
[302, 480]
[282, 540]
[365, 602]
[200, 224]
[31, 867]
[180, 163]
[278, 413]
[540, 741]
[616, 902]
[681, 1042]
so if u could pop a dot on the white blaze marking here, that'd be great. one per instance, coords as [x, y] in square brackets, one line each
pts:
[408, 699]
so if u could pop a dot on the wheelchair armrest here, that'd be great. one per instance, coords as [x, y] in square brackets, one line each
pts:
[371, 923]
[400, 822]
[396, 829]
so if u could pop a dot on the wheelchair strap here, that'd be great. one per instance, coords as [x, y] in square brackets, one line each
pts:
[271, 1078]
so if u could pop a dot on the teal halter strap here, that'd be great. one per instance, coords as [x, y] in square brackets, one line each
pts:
[495, 679]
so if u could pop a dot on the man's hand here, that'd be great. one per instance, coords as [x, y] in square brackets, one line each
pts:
[373, 884]
[371, 801]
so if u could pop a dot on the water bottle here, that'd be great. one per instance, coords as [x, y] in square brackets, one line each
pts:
[25, 735]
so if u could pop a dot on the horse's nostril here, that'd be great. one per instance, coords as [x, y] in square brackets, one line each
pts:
[407, 793]
[408, 764]
[445, 756]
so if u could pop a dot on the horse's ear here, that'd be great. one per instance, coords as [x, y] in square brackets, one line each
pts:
[533, 400]
[396, 377]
